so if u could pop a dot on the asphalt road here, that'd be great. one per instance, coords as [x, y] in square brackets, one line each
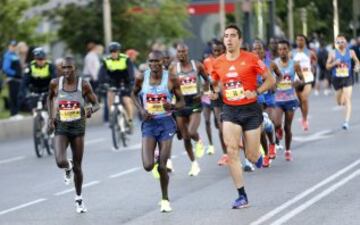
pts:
[321, 185]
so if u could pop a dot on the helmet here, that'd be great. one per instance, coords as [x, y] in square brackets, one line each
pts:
[39, 53]
[114, 46]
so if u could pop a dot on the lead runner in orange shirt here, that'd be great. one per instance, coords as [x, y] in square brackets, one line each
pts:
[236, 71]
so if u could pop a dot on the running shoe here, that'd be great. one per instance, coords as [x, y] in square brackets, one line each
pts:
[210, 150]
[279, 133]
[305, 124]
[266, 162]
[68, 173]
[248, 167]
[194, 170]
[288, 155]
[240, 202]
[345, 126]
[224, 160]
[80, 207]
[272, 151]
[155, 171]
[199, 149]
[169, 166]
[279, 147]
[165, 206]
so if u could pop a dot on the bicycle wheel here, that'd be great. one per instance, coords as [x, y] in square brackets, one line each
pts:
[115, 129]
[123, 129]
[37, 135]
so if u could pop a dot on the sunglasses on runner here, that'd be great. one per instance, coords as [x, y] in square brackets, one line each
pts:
[340, 42]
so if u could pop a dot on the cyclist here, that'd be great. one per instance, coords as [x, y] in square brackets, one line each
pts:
[67, 97]
[119, 72]
[38, 74]
[157, 87]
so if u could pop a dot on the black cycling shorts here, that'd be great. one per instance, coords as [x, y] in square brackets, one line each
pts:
[342, 82]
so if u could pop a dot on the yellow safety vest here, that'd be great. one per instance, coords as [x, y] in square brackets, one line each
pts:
[40, 72]
[119, 64]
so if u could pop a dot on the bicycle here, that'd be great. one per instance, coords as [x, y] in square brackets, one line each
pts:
[42, 140]
[119, 124]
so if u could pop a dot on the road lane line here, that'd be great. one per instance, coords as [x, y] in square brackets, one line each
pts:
[313, 137]
[12, 159]
[315, 199]
[92, 183]
[302, 195]
[125, 172]
[22, 206]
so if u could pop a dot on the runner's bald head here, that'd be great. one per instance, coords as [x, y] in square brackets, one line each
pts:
[182, 46]
[68, 60]
[158, 55]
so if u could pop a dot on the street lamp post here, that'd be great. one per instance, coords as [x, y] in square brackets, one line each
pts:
[107, 22]
[291, 20]
[336, 19]
[222, 15]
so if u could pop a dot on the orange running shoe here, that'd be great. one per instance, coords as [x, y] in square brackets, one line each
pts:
[272, 151]
[305, 124]
[288, 155]
[266, 162]
[223, 161]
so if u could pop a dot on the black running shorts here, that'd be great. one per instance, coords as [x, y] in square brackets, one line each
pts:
[249, 117]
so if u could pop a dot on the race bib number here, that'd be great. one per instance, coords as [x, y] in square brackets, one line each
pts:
[155, 103]
[308, 75]
[342, 71]
[69, 111]
[284, 85]
[234, 91]
[188, 85]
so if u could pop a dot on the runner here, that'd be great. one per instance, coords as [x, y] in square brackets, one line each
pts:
[339, 63]
[156, 88]
[188, 119]
[267, 101]
[217, 49]
[285, 97]
[67, 95]
[237, 71]
[118, 70]
[305, 57]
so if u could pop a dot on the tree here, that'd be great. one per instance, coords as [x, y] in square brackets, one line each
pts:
[14, 26]
[320, 16]
[135, 24]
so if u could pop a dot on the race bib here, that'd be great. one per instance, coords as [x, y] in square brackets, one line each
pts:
[234, 91]
[188, 85]
[69, 111]
[308, 75]
[284, 85]
[155, 103]
[342, 70]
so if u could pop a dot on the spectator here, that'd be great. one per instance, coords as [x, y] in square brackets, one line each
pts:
[133, 54]
[13, 71]
[324, 74]
[22, 51]
[92, 65]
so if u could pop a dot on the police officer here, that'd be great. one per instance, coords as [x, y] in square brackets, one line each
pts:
[38, 74]
[117, 70]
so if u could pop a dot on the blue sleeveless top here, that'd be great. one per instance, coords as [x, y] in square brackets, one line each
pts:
[153, 97]
[344, 69]
[284, 88]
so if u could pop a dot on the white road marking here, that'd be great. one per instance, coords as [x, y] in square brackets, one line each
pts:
[22, 206]
[12, 159]
[125, 172]
[92, 183]
[315, 199]
[302, 195]
[94, 141]
[313, 137]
